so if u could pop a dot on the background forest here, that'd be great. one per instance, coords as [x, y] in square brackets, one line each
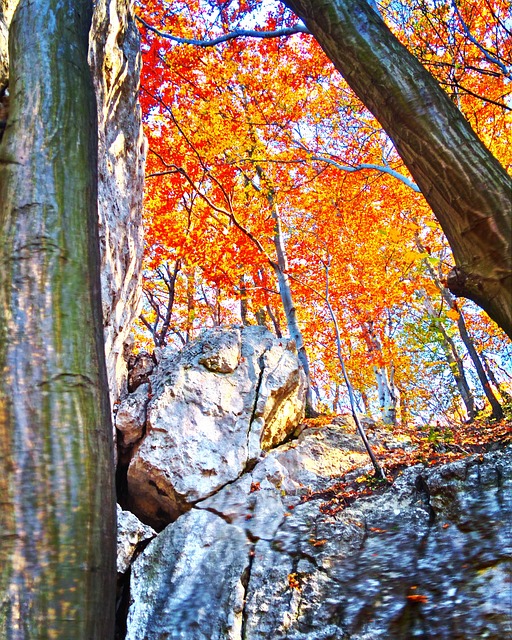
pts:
[273, 196]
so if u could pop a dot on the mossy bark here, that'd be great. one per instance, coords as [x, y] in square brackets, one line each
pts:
[57, 517]
[468, 190]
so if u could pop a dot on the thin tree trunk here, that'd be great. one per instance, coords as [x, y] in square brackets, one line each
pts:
[281, 270]
[497, 384]
[497, 411]
[57, 518]
[191, 305]
[454, 361]
[244, 302]
[467, 188]
[388, 397]
[378, 469]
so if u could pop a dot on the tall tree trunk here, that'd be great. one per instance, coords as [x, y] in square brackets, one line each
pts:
[57, 519]
[244, 301]
[191, 304]
[388, 398]
[388, 394]
[468, 190]
[379, 472]
[285, 291]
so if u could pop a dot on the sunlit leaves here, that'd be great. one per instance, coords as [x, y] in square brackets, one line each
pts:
[235, 129]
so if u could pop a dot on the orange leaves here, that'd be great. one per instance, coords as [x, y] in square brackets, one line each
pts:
[235, 129]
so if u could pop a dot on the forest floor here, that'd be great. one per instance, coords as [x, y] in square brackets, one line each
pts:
[397, 450]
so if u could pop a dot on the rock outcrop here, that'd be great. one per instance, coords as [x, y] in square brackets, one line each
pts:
[115, 61]
[7, 8]
[205, 568]
[430, 557]
[253, 552]
[214, 408]
[131, 534]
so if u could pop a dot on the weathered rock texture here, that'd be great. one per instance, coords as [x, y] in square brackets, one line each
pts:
[115, 62]
[429, 558]
[131, 533]
[215, 407]
[7, 8]
[131, 417]
[205, 567]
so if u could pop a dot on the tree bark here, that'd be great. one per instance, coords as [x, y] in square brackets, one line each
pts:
[469, 191]
[285, 291]
[497, 411]
[57, 518]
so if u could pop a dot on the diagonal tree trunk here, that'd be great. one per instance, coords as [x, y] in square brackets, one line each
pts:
[57, 518]
[468, 190]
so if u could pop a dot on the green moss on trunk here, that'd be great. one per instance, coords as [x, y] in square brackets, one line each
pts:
[56, 464]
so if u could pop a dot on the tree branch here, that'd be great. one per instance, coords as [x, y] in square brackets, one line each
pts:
[507, 71]
[237, 33]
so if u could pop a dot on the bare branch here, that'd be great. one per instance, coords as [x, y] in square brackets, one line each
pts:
[237, 33]
[492, 59]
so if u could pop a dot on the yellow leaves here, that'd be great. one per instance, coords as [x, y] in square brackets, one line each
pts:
[394, 235]
[414, 256]
[295, 581]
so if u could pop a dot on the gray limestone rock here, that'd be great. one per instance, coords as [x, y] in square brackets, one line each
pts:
[130, 534]
[131, 416]
[215, 407]
[262, 498]
[430, 558]
[115, 61]
[189, 582]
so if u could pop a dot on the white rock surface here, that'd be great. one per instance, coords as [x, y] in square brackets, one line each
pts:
[189, 582]
[131, 416]
[259, 500]
[216, 406]
[428, 557]
[115, 61]
[7, 8]
[130, 533]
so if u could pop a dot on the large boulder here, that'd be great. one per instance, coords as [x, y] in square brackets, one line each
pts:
[430, 557]
[261, 499]
[215, 407]
[190, 582]
[131, 534]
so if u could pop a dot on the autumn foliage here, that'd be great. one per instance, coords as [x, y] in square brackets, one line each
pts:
[258, 132]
